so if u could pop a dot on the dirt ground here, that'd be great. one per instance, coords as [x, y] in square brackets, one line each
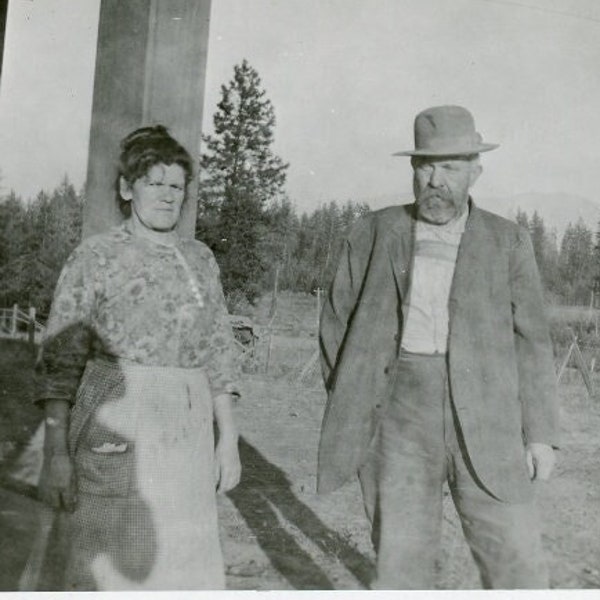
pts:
[278, 534]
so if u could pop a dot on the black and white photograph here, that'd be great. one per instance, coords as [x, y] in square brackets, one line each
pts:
[299, 295]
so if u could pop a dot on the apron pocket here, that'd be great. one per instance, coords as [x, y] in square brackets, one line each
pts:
[106, 472]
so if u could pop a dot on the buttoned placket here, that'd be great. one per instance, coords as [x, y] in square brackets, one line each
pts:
[190, 276]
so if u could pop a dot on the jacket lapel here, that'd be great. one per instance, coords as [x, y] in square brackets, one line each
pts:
[401, 250]
[469, 264]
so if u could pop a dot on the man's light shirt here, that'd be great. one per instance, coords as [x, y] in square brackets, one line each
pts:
[436, 250]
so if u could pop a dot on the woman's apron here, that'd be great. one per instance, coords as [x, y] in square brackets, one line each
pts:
[141, 438]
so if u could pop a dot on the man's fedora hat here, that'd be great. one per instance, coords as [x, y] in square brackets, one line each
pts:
[446, 131]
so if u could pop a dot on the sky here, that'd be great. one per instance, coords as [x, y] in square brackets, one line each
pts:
[346, 78]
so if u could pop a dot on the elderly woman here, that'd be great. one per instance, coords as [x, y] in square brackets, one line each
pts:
[137, 361]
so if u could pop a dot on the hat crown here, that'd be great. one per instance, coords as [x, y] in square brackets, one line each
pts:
[446, 130]
[445, 127]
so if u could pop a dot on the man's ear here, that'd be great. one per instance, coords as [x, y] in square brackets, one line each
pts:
[476, 170]
[125, 189]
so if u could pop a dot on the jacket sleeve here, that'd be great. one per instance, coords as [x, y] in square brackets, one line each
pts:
[537, 380]
[342, 297]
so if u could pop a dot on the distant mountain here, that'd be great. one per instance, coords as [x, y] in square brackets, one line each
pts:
[557, 210]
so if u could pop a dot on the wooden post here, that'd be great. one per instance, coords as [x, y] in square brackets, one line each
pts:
[583, 368]
[13, 324]
[269, 348]
[273, 308]
[565, 362]
[269, 343]
[310, 365]
[3, 11]
[31, 328]
[150, 68]
[586, 373]
[319, 290]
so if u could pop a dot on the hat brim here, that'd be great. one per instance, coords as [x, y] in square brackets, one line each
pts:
[449, 152]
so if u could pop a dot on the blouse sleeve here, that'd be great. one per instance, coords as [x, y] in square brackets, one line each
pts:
[223, 366]
[67, 339]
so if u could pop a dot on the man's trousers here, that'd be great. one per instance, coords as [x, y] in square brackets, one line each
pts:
[418, 446]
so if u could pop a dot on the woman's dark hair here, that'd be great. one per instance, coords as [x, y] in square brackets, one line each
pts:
[149, 146]
[144, 148]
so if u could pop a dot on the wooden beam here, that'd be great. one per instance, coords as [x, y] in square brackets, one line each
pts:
[150, 68]
[3, 12]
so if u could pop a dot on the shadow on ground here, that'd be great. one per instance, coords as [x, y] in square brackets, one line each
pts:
[265, 498]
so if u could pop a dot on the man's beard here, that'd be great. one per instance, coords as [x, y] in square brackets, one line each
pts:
[436, 206]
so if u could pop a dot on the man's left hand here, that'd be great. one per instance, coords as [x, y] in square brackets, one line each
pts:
[540, 461]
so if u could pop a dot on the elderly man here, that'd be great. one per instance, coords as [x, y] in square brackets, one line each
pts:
[438, 367]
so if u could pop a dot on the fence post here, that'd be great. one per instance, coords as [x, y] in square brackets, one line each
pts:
[270, 343]
[319, 290]
[31, 328]
[273, 308]
[13, 324]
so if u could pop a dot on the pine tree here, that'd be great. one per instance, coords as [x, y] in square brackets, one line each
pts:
[545, 249]
[551, 274]
[538, 240]
[576, 263]
[13, 218]
[280, 241]
[37, 238]
[522, 219]
[239, 176]
[319, 239]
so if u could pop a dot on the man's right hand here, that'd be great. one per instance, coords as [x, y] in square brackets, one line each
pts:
[57, 486]
[540, 461]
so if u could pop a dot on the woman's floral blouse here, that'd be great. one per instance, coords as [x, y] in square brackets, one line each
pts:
[122, 296]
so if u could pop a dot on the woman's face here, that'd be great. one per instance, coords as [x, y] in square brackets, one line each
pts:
[156, 197]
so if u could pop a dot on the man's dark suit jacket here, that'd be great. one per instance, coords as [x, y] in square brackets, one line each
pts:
[500, 361]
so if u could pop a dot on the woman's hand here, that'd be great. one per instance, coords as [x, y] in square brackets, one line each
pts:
[57, 486]
[228, 468]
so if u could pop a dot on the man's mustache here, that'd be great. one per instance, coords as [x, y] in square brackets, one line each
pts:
[438, 193]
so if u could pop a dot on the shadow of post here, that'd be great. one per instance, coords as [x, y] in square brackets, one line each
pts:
[264, 493]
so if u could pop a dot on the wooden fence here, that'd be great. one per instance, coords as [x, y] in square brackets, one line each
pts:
[16, 323]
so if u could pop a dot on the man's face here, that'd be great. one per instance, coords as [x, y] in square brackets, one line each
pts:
[441, 186]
